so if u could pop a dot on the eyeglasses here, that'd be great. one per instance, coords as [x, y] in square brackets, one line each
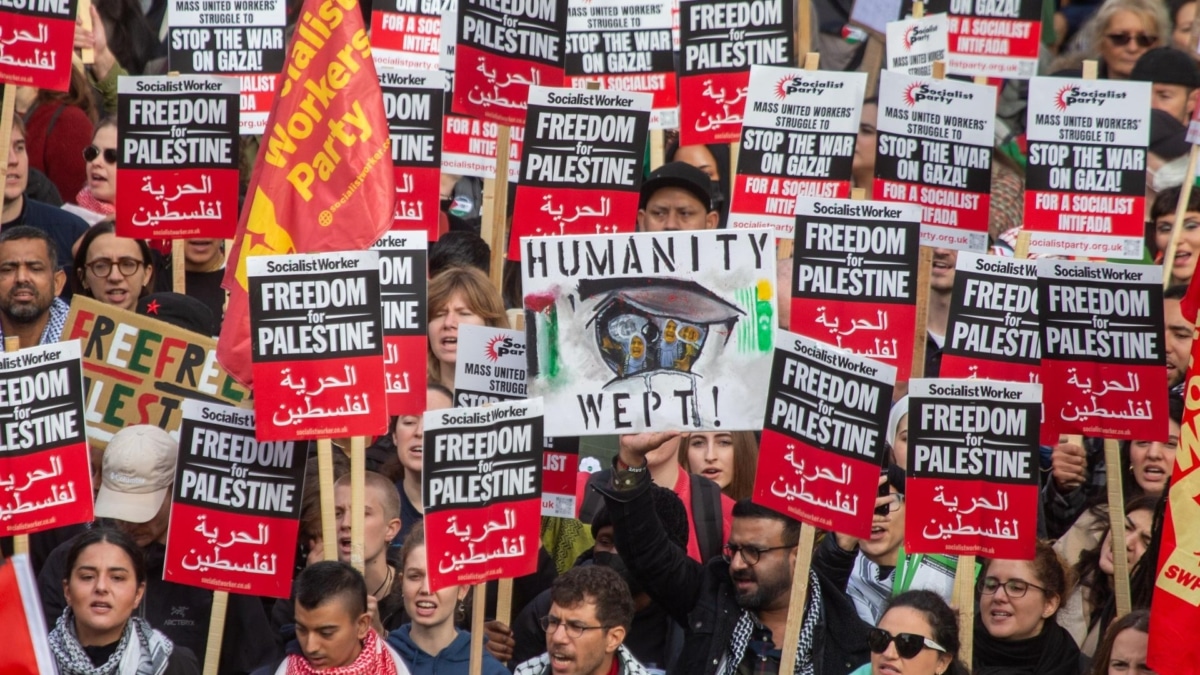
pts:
[750, 554]
[908, 645]
[1121, 39]
[103, 267]
[574, 629]
[1015, 588]
[91, 152]
[891, 506]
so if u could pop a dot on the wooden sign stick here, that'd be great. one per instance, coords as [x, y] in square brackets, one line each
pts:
[1116, 525]
[8, 108]
[216, 631]
[87, 54]
[358, 478]
[325, 476]
[478, 600]
[11, 344]
[798, 598]
[494, 228]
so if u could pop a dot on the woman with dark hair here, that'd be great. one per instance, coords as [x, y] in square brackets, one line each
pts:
[97, 200]
[1123, 651]
[408, 434]
[728, 458]
[58, 128]
[114, 270]
[917, 634]
[97, 633]
[457, 296]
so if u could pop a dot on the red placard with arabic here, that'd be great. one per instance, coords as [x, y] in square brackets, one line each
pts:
[972, 485]
[402, 284]
[45, 481]
[993, 331]
[412, 101]
[235, 511]
[36, 41]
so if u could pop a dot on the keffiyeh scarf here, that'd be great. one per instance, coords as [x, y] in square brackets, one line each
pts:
[141, 650]
[372, 660]
[804, 652]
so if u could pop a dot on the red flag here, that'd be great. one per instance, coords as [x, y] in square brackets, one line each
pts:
[323, 178]
[26, 651]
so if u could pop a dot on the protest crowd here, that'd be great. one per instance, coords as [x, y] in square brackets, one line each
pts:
[846, 364]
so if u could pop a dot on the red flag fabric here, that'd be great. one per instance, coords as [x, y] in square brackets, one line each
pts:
[323, 179]
[26, 651]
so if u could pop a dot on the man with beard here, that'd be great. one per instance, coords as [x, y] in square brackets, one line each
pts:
[1178, 332]
[30, 282]
[734, 607]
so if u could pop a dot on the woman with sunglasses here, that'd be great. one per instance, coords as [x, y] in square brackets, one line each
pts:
[1016, 632]
[114, 270]
[1121, 31]
[99, 193]
[916, 635]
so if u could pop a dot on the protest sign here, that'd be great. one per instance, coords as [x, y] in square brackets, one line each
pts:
[624, 46]
[1103, 357]
[797, 140]
[503, 49]
[235, 509]
[935, 149]
[26, 647]
[719, 41]
[179, 157]
[650, 332]
[490, 366]
[992, 333]
[914, 44]
[481, 481]
[854, 278]
[36, 43]
[405, 34]
[317, 338]
[1085, 183]
[402, 289]
[582, 167]
[138, 370]
[993, 39]
[823, 437]
[412, 101]
[560, 472]
[43, 451]
[238, 37]
[972, 486]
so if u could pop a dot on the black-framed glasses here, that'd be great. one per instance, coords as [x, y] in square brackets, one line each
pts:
[574, 629]
[890, 506]
[1015, 588]
[91, 152]
[126, 266]
[1121, 39]
[908, 645]
[750, 554]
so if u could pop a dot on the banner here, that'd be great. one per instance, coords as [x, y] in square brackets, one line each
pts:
[972, 486]
[43, 451]
[914, 44]
[797, 140]
[503, 49]
[490, 366]
[332, 190]
[412, 102]
[581, 171]
[823, 443]
[1103, 358]
[405, 34]
[235, 509]
[1085, 182]
[139, 370]
[26, 649]
[993, 330]
[624, 46]
[318, 345]
[481, 481]
[403, 261]
[993, 39]
[719, 41]
[179, 157]
[935, 149]
[650, 332]
[854, 277]
[37, 41]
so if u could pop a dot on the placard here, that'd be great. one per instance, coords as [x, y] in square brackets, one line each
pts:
[406, 34]
[37, 39]
[489, 367]
[993, 330]
[992, 39]
[412, 101]
[403, 264]
[235, 505]
[914, 44]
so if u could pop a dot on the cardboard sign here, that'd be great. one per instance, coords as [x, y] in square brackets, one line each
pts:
[993, 331]
[720, 40]
[972, 486]
[402, 289]
[490, 366]
[914, 44]
[582, 168]
[503, 49]
[139, 370]
[993, 39]
[823, 437]
[179, 157]
[481, 481]
[854, 279]
[1085, 183]
[797, 140]
[412, 101]
[650, 332]
[1103, 357]
[625, 46]
[235, 509]
[406, 34]
[317, 345]
[45, 479]
[935, 149]
[38, 39]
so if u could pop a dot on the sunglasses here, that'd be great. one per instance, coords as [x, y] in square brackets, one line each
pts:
[1121, 39]
[908, 645]
[91, 152]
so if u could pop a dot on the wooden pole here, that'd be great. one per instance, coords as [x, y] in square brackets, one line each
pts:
[8, 108]
[804, 31]
[358, 479]
[504, 596]
[1116, 525]
[1185, 196]
[657, 149]
[494, 228]
[964, 602]
[87, 54]
[325, 475]
[11, 344]
[478, 600]
[178, 266]
[216, 631]
[798, 599]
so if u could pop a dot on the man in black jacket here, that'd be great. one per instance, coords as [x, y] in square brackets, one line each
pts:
[732, 607]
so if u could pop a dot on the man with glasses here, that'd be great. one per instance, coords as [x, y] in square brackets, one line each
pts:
[677, 196]
[590, 613]
[30, 282]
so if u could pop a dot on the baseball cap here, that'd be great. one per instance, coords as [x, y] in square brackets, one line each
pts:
[137, 471]
[1166, 65]
[678, 175]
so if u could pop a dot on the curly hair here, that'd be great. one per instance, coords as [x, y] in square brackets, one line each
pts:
[597, 584]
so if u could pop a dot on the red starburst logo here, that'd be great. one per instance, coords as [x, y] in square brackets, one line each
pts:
[908, 37]
[1060, 99]
[492, 350]
[781, 87]
[910, 94]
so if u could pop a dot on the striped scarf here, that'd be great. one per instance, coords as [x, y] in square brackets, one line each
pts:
[804, 651]
[372, 660]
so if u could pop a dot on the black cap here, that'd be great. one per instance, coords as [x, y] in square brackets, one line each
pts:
[183, 311]
[1167, 65]
[679, 175]
[1168, 136]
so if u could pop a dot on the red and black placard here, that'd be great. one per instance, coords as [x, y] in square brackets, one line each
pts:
[993, 332]
[412, 101]
[402, 287]
[407, 33]
[37, 38]
[994, 39]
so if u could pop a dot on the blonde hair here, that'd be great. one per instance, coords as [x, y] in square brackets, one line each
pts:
[476, 291]
[1153, 12]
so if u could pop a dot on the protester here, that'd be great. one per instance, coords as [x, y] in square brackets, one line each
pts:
[1181, 37]
[204, 270]
[941, 287]
[381, 522]
[59, 127]
[1187, 247]
[459, 249]
[1123, 651]
[97, 633]
[1121, 31]
[677, 196]
[1166, 155]
[1179, 333]
[97, 200]
[114, 270]
[897, 432]
[179, 310]
[724, 457]
[710, 159]
[408, 434]
[1174, 78]
[917, 634]
[30, 283]
[863, 164]
[458, 296]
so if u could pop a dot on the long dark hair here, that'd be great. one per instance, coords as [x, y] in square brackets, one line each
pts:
[85, 242]
[1092, 580]
[106, 535]
[1138, 620]
[941, 619]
